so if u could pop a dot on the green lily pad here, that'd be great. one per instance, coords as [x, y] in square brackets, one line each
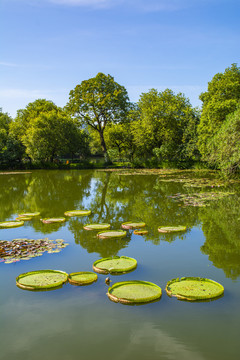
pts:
[140, 232]
[53, 220]
[133, 225]
[194, 288]
[108, 234]
[114, 264]
[102, 226]
[134, 292]
[82, 278]
[41, 279]
[169, 229]
[31, 214]
[23, 218]
[10, 224]
[77, 213]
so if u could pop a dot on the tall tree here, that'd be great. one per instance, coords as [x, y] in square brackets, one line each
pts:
[221, 99]
[97, 102]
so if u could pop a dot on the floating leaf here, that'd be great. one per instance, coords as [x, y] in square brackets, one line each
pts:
[169, 229]
[77, 213]
[53, 220]
[23, 218]
[82, 278]
[108, 234]
[140, 232]
[41, 279]
[133, 225]
[134, 292]
[114, 264]
[31, 214]
[102, 226]
[10, 224]
[194, 288]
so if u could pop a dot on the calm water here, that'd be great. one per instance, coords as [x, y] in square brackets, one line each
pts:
[81, 322]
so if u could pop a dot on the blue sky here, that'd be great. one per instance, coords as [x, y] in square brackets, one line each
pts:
[47, 47]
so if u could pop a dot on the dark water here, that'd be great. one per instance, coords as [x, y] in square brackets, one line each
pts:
[81, 322]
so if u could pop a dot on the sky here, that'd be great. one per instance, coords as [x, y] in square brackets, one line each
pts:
[47, 47]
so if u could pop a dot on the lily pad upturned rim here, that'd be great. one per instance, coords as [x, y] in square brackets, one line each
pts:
[53, 220]
[182, 296]
[11, 224]
[97, 226]
[102, 270]
[73, 281]
[133, 225]
[41, 287]
[31, 214]
[23, 218]
[77, 212]
[142, 300]
[120, 234]
[140, 232]
[170, 229]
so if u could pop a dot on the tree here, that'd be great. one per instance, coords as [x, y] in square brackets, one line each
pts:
[164, 118]
[98, 102]
[219, 100]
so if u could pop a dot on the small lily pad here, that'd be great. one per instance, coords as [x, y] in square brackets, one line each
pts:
[134, 292]
[77, 213]
[102, 226]
[10, 224]
[53, 220]
[169, 229]
[31, 214]
[114, 264]
[140, 232]
[23, 218]
[82, 278]
[41, 279]
[194, 288]
[133, 225]
[108, 234]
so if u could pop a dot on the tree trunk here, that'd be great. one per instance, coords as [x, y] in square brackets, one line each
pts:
[103, 146]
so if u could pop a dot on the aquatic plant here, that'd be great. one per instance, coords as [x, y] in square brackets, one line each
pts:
[31, 214]
[11, 224]
[53, 220]
[134, 292]
[23, 218]
[169, 229]
[108, 234]
[77, 213]
[82, 278]
[102, 226]
[133, 225]
[194, 288]
[41, 279]
[115, 264]
[140, 232]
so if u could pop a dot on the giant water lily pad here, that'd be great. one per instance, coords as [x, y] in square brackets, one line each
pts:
[41, 279]
[140, 232]
[108, 234]
[102, 226]
[23, 218]
[114, 264]
[31, 214]
[134, 292]
[169, 229]
[53, 220]
[82, 278]
[11, 224]
[133, 225]
[26, 249]
[194, 288]
[77, 213]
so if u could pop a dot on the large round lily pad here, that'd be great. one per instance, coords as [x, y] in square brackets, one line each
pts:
[108, 234]
[102, 226]
[77, 213]
[23, 218]
[31, 214]
[140, 232]
[11, 224]
[82, 278]
[169, 229]
[133, 225]
[53, 220]
[134, 292]
[194, 288]
[114, 264]
[41, 279]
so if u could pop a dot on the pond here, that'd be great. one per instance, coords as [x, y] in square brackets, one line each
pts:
[80, 322]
